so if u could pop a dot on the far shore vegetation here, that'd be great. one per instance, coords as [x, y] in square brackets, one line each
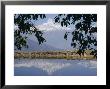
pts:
[53, 55]
[84, 34]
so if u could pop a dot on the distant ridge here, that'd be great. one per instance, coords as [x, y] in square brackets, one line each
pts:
[34, 46]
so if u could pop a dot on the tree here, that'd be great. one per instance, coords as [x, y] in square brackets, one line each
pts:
[23, 22]
[84, 33]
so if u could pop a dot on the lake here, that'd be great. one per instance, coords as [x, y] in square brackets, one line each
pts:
[55, 67]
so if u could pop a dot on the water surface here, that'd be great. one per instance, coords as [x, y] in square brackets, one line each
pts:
[55, 67]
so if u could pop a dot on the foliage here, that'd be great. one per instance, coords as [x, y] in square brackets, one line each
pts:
[24, 23]
[83, 34]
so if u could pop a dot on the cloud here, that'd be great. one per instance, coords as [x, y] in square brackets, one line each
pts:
[16, 27]
[51, 26]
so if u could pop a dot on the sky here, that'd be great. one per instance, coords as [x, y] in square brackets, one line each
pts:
[48, 24]
[54, 32]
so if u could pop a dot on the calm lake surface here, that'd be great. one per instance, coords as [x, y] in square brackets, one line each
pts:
[54, 67]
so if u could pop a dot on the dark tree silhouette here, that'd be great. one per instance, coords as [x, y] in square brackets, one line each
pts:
[24, 23]
[83, 34]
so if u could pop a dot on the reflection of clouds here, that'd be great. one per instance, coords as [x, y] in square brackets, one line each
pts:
[45, 65]
[90, 64]
[50, 65]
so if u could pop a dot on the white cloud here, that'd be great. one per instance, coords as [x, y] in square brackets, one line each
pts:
[51, 26]
[16, 27]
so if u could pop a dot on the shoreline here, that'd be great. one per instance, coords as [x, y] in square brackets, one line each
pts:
[68, 55]
[53, 59]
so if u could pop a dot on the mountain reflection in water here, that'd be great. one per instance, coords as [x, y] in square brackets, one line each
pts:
[56, 67]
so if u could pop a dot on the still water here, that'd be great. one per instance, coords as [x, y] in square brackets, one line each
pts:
[54, 67]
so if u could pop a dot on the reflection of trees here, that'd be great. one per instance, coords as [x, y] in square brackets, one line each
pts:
[83, 34]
